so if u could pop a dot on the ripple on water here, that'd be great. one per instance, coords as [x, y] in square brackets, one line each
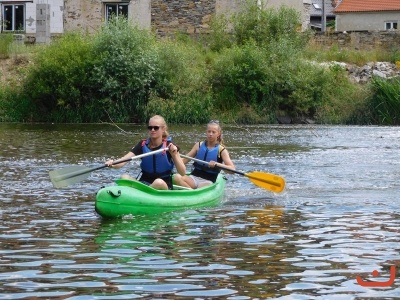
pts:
[338, 218]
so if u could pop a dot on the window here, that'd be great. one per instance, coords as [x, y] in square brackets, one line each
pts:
[13, 17]
[390, 25]
[316, 6]
[117, 10]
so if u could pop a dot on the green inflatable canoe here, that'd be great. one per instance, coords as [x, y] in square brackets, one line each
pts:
[129, 197]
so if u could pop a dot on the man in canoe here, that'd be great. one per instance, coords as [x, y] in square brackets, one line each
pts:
[157, 168]
[211, 150]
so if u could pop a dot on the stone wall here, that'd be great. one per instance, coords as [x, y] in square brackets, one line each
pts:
[190, 17]
[362, 40]
[84, 15]
[194, 16]
[164, 17]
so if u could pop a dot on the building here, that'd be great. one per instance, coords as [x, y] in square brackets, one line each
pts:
[45, 18]
[367, 15]
[37, 18]
[318, 8]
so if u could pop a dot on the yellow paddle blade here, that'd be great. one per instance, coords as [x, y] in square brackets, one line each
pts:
[267, 181]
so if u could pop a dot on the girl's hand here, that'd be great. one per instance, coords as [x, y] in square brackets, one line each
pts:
[172, 149]
[212, 164]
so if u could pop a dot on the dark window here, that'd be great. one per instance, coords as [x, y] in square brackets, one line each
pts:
[13, 17]
[390, 25]
[116, 10]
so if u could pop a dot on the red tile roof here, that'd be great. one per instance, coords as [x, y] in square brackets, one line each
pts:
[367, 5]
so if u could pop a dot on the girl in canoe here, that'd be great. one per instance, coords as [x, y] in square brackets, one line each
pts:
[210, 150]
[157, 168]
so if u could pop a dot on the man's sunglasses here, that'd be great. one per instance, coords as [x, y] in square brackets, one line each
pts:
[153, 127]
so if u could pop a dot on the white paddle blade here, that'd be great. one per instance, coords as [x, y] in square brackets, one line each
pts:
[69, 175]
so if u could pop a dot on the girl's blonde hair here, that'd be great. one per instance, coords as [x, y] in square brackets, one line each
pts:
[162, 123]
[219, 138]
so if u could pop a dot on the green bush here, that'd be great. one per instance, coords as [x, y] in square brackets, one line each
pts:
[259, 26]
[194, 108]
[269, 79]
[240, 76]
[181, 92]
[80, 78]
[263, 68]
[265, 26]
[343, 102]
[182, 69]
[219, 38]
[58, 81]
[125, 69]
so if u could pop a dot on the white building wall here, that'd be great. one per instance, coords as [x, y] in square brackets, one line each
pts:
[140, 13]
[296, 4]
[227, 7]
[56, 16]
[30, 18]
[365, 21]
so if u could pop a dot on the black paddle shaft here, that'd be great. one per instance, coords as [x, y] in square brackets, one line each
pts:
[219, 166]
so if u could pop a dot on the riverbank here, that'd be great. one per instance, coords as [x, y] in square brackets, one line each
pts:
[13, 68]
[127, 75]
[13, 71]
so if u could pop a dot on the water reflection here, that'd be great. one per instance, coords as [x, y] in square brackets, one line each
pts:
[338, 218]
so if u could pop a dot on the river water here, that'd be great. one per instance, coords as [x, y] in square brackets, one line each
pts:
[339, 217]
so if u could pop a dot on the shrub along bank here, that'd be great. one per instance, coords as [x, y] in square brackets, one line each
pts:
[252, 71]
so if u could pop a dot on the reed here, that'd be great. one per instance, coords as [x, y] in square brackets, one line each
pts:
[385, 101]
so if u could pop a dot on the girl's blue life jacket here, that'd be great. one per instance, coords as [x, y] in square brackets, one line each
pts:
[206, 154]
[159, 165]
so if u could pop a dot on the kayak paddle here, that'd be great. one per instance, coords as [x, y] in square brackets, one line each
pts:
[267, 181]
[73, 174]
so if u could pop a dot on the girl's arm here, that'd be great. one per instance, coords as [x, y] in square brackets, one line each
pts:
[227, 159]
[180, 166]
[192, 153]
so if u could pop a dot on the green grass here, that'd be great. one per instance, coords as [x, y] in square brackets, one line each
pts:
[6, 41]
